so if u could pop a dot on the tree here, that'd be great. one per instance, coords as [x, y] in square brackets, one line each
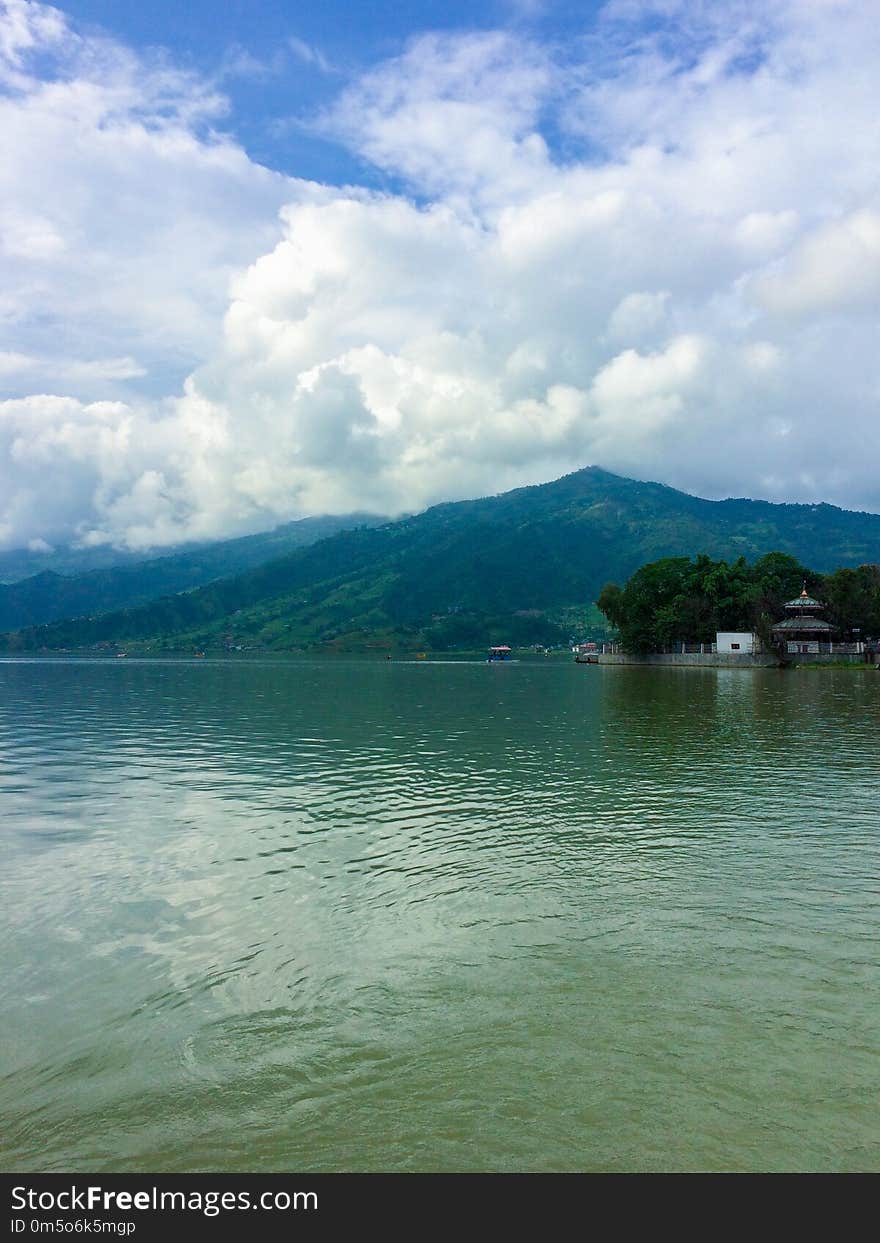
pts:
[775, 579]
[853, 601]
[679, 599]
[646, 610]
[609, 602]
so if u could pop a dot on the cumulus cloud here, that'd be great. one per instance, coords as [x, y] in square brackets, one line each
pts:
[639, 316]
[836, 267]
[657, 249]
[123, 213]
[454, 115]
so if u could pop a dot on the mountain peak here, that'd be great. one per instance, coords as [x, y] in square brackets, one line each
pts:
[515, 566]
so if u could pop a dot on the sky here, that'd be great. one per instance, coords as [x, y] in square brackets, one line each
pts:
[260, 259]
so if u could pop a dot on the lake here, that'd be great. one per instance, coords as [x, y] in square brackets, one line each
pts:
[292, 914]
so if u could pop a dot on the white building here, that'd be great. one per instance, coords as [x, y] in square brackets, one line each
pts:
[737, 643]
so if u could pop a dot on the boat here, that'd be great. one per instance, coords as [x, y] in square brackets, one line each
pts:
[498, 653]
[586, 654]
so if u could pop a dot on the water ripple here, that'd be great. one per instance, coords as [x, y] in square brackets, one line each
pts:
[353, 915]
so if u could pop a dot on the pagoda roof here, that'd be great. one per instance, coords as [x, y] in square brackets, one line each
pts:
[802, 623]
[804, 601]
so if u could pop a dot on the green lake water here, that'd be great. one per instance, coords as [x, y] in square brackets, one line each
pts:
[353, 915]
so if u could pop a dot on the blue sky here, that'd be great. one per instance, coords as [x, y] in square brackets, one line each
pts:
[280, 61]
[265, 260]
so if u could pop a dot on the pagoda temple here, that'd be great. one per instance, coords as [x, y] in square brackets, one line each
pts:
[802, 631]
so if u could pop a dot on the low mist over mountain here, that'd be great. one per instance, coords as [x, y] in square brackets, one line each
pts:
[525, 566]
[120, 580]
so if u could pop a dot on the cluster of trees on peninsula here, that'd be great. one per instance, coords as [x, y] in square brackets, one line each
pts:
[684, 599]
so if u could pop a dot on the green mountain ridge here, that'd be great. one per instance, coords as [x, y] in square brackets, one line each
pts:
[50, 595]
[524, 566]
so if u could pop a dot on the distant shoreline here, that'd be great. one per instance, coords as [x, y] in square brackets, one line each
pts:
[605, 660]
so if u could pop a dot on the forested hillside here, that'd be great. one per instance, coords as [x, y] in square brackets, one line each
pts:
[50, 595]
[525, 566]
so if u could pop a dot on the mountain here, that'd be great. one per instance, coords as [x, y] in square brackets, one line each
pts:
[18, 563]
[50, 595]
[523, 567]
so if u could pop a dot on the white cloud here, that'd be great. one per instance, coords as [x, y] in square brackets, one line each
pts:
[27, 368]
[122, 214]
[452, 115]
[691, 294]
[27, 28]
[763, 234]
[834, 268]
[639, 317]
[309, 54]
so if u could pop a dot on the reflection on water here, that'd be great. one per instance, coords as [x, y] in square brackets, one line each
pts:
[348, 915]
